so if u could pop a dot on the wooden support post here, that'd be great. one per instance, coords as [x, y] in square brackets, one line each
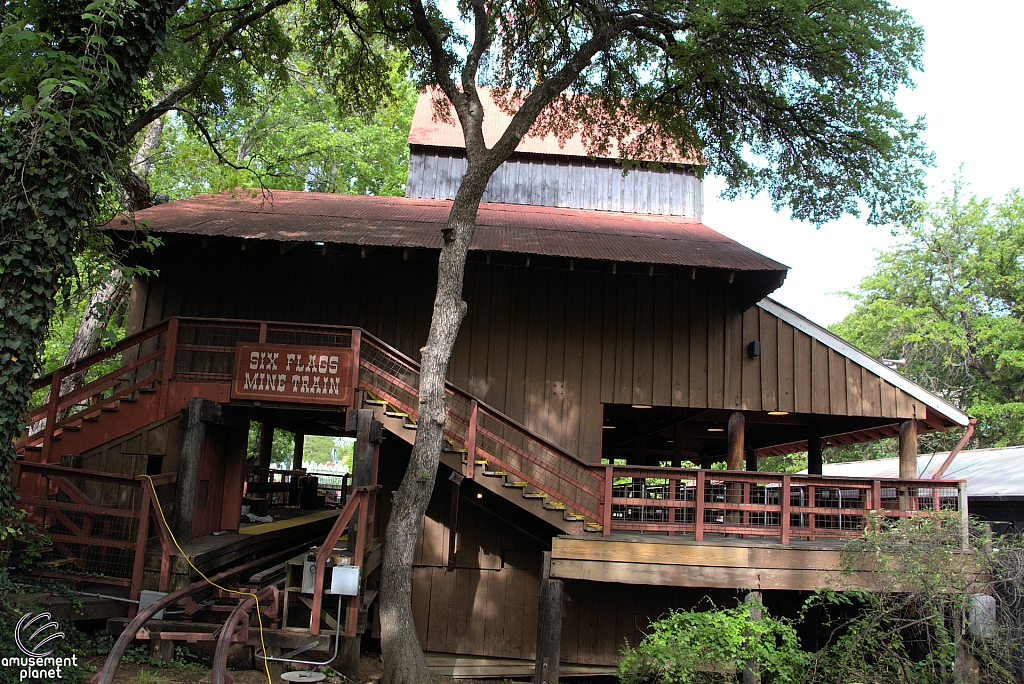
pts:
[737, 425]
[470, 469]
[139, 560]
[698, 506]
[549, 626]
[908, 461]
[362, 457]
[752, 459]
[347, 662]
[606, 512]
[908, 449]
[815, 460]
[300, 443]
[751, 669]
[265, 447]
[784, 514]
[188, 470]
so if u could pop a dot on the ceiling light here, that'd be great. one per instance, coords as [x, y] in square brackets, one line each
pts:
[778, 413]
[642, 406]
[479, 495]
[607, 427]
[319, 244]
[716, 428]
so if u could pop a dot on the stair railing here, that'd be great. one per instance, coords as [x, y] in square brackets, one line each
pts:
[97, 522]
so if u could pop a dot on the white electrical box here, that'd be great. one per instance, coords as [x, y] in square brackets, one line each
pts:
[344, 579]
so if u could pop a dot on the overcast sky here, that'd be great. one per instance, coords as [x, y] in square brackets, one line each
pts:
[970, 92]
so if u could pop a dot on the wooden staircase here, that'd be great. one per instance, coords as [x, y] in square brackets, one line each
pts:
[492, 477]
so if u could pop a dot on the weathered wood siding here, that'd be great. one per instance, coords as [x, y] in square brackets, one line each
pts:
[487, 605]
[546, 346]
[435, 173]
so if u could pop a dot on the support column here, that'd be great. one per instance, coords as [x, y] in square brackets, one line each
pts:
[751, 670]
[815, 460]
[908, 449]
[908, 462]
[737, 426]
[265, 447]
[188, 470]
[752, 459]
[300, 443]
[549, 626]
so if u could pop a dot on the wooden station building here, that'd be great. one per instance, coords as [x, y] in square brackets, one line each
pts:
[614, 352]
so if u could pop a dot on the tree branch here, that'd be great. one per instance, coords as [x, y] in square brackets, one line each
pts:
[176, 95]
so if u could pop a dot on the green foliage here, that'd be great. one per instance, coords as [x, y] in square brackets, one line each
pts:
[950, 299]
[290, 136]
[68, 83]
[910, 622]
[791, 98]
[709, 646]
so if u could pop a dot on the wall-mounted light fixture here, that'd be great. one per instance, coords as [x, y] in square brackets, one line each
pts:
[754, 349]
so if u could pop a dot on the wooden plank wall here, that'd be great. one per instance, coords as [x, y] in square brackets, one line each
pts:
[560, 182]
[487, 605]
[546, 346]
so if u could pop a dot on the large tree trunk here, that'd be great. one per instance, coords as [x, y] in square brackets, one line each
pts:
[108, 298]
[403, 659]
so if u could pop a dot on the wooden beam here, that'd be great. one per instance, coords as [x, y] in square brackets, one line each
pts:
[751, 459]
[908, 449]
[751, 669]
[300, 442]
[737, 425]
[188, 470]
[549, 627]
[266, 444]
[814, 455]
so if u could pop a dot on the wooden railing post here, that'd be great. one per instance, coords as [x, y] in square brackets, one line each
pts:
[784, 514]
[357, 348]
[672, 496]
[607, 494]
[170, 346]
[51, 416]
[698, 505]
[141, 537]
[470, 469]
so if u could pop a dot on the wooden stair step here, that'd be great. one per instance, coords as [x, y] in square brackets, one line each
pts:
[534, 495]
[374, 402]
[34, 447]
[110, 408]
[590, 526]
[129, 399]
[554, 505]
[411, 426]
[396, 414]
[148, 390]
[92, 417]
[495, 473]
[480, 462]
[518, 484]
[574, 517]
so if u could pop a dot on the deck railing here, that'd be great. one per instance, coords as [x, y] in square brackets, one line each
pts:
[670, 500]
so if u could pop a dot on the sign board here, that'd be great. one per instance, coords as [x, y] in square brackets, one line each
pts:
[292, 373]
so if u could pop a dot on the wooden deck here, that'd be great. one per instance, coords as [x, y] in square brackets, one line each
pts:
[720, 563]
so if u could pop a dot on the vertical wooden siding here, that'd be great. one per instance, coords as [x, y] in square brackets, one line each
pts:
[557, 182]
[545, 346]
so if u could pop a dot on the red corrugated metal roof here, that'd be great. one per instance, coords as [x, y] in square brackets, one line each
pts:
[427, 130]
[408, 222]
